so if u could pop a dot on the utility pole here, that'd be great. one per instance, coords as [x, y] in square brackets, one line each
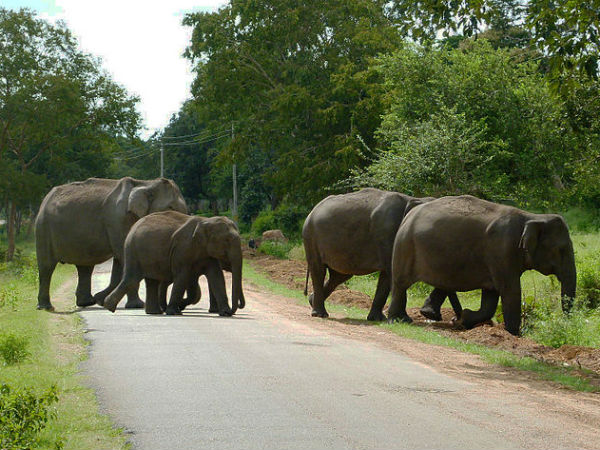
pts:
[234, 209]
[162, 160]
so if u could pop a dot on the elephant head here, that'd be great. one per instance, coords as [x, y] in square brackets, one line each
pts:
[549, 250]
[218, 237]
[153, 196]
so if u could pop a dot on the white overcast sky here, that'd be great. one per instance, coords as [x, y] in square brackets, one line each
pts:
[140, 43]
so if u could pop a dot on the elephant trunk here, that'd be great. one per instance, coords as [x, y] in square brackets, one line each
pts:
[568, 281]
[237, 295]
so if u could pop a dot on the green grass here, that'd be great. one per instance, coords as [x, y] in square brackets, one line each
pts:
[563, 375]
[55, 347]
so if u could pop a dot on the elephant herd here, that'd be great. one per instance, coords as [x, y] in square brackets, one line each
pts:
[144, 226]
[451, 243]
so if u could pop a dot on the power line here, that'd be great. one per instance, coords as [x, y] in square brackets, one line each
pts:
[190, 135]
[194, 142]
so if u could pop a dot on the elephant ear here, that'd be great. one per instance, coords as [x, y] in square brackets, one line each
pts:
[139, 202]
[412, 203]
[182, 242]
[530, 236]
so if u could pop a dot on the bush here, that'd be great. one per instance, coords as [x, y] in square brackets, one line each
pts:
[13, 348]
[287, 218]
[263, 222]
[23, 415]
[279, 250]
[9, 297]
[545, 322]
[588, 283]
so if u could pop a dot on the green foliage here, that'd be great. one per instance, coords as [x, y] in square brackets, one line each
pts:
[13, 348]
[295, 78]
[470, 121]
[263, 222]
[23, 415]
[588, 281]
[547, 324]
[279, 250]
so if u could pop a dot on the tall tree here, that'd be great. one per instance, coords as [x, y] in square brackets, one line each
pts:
[55, 103]
[294, 77]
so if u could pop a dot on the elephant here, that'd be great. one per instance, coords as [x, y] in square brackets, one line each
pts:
[85, 223]
[171, 247]
[353, 234]
[465, 243]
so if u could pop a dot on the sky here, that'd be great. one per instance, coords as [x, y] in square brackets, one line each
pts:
[140, 44]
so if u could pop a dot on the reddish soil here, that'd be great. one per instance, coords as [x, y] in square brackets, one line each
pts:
[292, 273]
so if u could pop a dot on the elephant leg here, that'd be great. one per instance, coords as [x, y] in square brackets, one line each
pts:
[317, 273]
[456, 306]
[115, 277]
[511, 308]
[152, 296]
[133, 298]
[162, 295]
[217, 290]
[397, 310]
[45, 271]
[381, 295]
[113, 299]
[192, 294]
[433, 304]
[213, 306]
[83, 293]
[334, 280]
[489, 302]
[177, 291]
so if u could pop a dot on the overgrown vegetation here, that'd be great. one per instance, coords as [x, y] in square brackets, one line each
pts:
[43, 403]
[23, 415]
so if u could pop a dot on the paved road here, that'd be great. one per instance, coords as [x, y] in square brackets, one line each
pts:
[257, 381]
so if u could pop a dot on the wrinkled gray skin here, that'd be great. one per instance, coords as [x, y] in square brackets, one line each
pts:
[85, 223]
[170, 247]
[353, 234]
[464, 243]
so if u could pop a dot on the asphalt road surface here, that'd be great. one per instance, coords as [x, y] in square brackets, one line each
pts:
[260, 380]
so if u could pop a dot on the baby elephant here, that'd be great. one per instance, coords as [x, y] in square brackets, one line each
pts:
[171, 247]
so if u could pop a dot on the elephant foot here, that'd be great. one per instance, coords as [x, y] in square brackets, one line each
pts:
[173, 312]
[310, 299]
[376, 316]
[400, 319]
[99, 298]
[323, 314]
[226, 313]
[136, 303]
[430, 313]
[153, 311]
[45, 307]
[213, 310]
[85, 301]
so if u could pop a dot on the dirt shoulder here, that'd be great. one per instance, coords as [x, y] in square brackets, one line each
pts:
[292, 274]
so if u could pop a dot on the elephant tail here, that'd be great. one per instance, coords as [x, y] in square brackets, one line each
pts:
[306, 284]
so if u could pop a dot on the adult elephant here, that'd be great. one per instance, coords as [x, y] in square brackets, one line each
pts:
[170, 247]
[85, 223]
[465, 243]
[353, 234]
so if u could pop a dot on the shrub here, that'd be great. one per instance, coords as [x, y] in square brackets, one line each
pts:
[588, 283]
[263, 222]
[23, 415]
[279, 250]
[13, 348]
[9, 297]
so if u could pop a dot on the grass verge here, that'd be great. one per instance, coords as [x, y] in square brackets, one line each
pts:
[55, 347]
[565, 376]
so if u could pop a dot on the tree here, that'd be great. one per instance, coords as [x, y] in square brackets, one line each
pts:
[294, 77]
[565, 31]
[472, 121]
[56, 106]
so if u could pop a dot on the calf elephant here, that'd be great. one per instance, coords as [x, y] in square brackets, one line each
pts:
[353, 234]
[170, 247]
[464, 243]
[85, 223]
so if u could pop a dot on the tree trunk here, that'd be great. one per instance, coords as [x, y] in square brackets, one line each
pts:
[10, 224]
